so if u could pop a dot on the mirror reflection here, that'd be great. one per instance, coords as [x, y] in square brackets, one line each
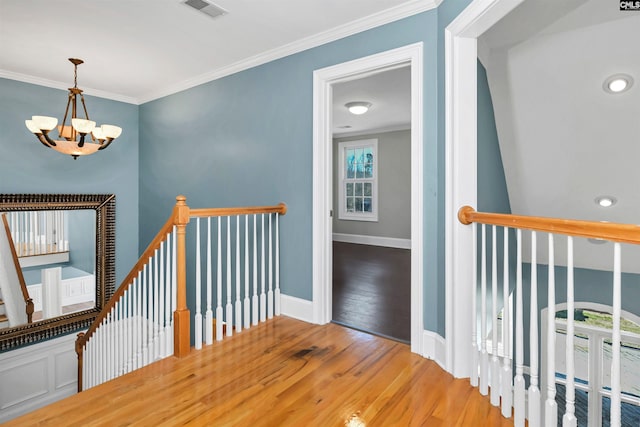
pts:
[47, 265]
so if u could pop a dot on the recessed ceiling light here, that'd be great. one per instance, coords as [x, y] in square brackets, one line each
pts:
[606, 201]
[618, 83]
[358, 107]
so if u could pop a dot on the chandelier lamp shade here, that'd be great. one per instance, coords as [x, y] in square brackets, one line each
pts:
[72, 138]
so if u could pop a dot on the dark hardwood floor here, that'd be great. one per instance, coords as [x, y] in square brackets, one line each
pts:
[372, 289]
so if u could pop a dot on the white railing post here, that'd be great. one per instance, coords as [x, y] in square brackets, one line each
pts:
[270, 293]
[209, 314]
[238, 284]
[263, 295]
[254, 298]
[551, 407]
[247, 302]
[534, 390]
[615, 339]
[277, 295]
[495, 363]
[229, 306]
[569, 418]
[219, 312]
[518, 383]
[506, 374]
[484, 356]
[198, 315]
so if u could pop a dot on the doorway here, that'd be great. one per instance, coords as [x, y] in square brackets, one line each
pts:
[371, 192]
[324, 79]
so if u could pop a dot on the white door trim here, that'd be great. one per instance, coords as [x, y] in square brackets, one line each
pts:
[461, 169]
[322, 176]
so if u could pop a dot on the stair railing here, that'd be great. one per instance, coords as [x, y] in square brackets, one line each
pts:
[491, 369]
[148, 319]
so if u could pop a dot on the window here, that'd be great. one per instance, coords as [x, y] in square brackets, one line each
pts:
[358, 180]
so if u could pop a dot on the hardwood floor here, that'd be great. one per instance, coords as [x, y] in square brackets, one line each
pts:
[372, 289]
[282, 373]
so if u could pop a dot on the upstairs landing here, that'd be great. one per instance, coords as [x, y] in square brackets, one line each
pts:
[282, 373]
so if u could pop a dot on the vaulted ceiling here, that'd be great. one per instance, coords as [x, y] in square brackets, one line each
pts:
[565, 140]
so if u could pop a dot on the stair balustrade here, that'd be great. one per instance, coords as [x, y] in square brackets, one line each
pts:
[491, 369]
[148, 317]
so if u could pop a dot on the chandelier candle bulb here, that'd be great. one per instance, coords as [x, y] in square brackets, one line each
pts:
[67, 134]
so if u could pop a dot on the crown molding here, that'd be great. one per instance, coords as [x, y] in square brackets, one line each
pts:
[64, 86]
[372, 131]
[375, 20]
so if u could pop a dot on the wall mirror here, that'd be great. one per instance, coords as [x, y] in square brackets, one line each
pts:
[57, 264]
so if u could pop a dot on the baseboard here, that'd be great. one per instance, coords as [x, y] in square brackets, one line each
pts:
[388, 242]
[297, 308]
[434, 348]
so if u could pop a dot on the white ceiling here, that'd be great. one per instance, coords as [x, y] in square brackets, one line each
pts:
[564, 140]
[136, 51]
[389, 93]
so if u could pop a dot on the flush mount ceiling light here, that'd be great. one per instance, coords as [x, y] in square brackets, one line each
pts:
[358, 107]
[618, 83]
[606, 201]
[67, 142]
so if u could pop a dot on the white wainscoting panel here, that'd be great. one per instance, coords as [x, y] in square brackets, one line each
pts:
[297, 308]
[389, 242]
[37, 375]
[434, 348]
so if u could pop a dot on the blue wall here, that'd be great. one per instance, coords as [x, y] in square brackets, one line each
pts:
[246, 139]
[82, 240]
[26, 166]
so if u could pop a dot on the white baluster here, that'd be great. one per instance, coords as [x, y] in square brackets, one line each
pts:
[209, 314]
[615, 338]
[149, 303]
[229, 307]
[145, 317]
[238, 303]
[270, 293]
[168, 346]
[161, 291]
[551, 407]
[474, 313]
[495, 363]
[569, 418]
[263, 295]
[484, 356]
[518, 382]
[277, 295]
[219, 315]
[174, 282]
[534, 390]
[198, 317]
[156, 309]
[506, 376]
[247, 302]
[254, 299]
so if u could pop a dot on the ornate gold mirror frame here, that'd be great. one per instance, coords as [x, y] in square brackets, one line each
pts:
[104, 206]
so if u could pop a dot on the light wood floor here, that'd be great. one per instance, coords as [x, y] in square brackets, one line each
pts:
[282, 373]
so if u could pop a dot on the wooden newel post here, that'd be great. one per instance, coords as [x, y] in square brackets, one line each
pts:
[79, 349]
[181, 328]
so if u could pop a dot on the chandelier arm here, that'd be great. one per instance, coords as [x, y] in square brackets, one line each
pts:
[42, 140]
[86, 114]
[64, 120]
[51, 142]
[105, 145]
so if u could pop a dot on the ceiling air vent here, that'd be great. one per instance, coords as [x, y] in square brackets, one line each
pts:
[207, 8]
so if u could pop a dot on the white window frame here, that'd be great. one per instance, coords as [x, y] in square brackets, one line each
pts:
[342, 179]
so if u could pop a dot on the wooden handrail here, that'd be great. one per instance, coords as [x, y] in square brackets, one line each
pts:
[615, 232]
[280, 208]
[29, 307]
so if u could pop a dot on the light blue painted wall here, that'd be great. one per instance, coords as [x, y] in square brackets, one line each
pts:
[246, 139]
[82, 241]
[26, 166]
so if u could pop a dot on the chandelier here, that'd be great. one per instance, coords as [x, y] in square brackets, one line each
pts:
[67, 142]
